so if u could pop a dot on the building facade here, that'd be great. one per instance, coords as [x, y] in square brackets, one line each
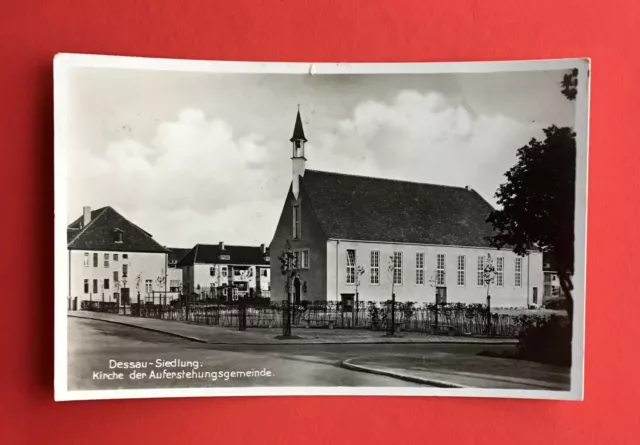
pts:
[226, 272]
[353, 233]
[175, 273]
[113, 260]
[552, 287]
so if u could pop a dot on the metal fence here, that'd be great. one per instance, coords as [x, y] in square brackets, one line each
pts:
[452, 318]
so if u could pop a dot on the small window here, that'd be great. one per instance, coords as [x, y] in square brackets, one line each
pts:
[296, 221]
[148, 286]
[518, 272]
[125, 270]
[265, 272]
[125, 256]
[462, 270]
[86, 259]
[115, 276]
[304, 259]
[234, 294]
[351, 266]
[420, 268]
[441, 272]
[106, 260]
[212, 271]
[115, 257]
[95, 286]
[375, 267]
[106, 284]
[95, 260]
[267, 259]
[118, 237]
[223, 271]
[500, 271]
[86, 286]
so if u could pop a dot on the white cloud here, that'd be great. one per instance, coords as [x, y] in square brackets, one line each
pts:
[424, 138]
[196, 182]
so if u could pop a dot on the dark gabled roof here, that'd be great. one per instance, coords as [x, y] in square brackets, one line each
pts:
[373, 209]
[177, 253]
[99, 234]
[298, 131]
[210, 254]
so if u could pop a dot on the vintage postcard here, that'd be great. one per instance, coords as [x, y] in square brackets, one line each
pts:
[231, 228]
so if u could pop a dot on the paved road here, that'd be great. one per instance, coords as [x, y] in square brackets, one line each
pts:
[93, 344]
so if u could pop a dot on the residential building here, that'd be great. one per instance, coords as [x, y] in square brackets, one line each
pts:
[552, 288]
[175, 273]
[228, 272]
[352, 231]
[112, 259]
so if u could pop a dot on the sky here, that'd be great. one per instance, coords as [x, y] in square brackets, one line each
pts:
[205, 157]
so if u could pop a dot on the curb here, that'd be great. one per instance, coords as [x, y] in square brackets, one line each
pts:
[301, 341]
[172, 334]
[409, 378]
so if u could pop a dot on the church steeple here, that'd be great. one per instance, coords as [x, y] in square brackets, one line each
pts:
[297, 158]
[298, 130]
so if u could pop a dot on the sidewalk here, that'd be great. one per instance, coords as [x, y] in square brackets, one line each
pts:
[267, 336]
[459, 371]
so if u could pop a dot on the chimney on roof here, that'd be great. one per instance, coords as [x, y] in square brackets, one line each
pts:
[86, 215]
[263, 248]
[467, 187]
[221, 245]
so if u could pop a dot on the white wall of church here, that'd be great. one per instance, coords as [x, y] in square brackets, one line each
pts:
[505, 292]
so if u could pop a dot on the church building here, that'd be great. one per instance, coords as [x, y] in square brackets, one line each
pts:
[372, 234]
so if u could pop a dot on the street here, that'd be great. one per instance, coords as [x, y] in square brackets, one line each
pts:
[96, 346]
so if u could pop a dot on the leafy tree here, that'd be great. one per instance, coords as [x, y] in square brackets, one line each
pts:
[570, 85]
[538, 202]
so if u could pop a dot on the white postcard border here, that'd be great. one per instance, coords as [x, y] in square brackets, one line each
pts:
[65, 62]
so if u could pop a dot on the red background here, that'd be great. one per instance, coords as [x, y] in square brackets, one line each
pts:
[31, 32]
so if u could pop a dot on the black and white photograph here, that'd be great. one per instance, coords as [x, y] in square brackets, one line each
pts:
[244, 228]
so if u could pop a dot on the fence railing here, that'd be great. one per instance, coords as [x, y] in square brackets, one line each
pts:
[453, 318]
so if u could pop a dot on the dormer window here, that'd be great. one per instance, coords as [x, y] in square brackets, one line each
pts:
[117, 233]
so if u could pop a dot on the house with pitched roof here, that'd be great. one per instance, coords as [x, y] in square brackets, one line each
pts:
[174, 272]
[226, 272]
[112, 259]
[421, 239]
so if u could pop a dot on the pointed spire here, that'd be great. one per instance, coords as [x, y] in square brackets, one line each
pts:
[298, 131]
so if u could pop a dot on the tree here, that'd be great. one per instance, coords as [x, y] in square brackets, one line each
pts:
[161, 282]
[538, 202]
[488, 273]
[359, 272]
[570, 84]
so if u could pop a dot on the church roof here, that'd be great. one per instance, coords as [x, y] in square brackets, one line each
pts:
[373, 209]
[100, 234]
[298, 131]
[212, 254]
